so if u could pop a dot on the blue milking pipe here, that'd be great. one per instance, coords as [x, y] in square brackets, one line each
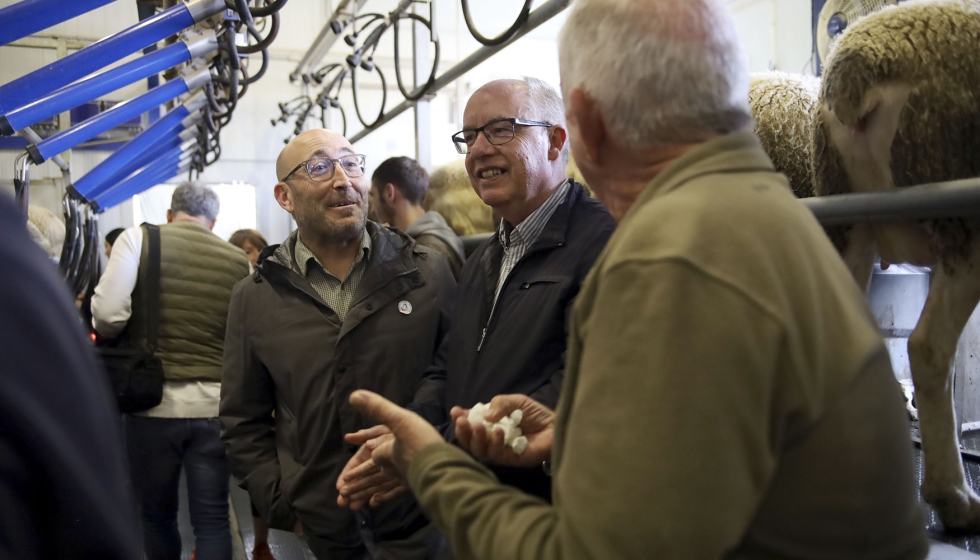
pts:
[156, 172]
[168, 160]
[149, 182]
[64, 71]
[148, 156]
[89, 184]
[90, 128]
[97, 85]
[30, 16]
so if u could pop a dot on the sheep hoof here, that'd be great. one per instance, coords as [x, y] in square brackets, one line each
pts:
[958, 507]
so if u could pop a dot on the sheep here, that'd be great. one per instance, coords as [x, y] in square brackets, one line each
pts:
[781, 104]
[451, 194]
[46, 230]
[899, 106]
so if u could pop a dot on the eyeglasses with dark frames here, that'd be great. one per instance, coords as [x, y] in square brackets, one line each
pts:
[497, 132]
[322, 169]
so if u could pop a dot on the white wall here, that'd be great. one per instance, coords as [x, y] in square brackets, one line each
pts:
[776, 34]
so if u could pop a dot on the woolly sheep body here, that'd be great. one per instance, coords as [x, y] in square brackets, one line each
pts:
[781, 104]
[933, 46]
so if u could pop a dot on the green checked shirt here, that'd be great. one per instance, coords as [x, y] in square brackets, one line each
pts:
[336, 293]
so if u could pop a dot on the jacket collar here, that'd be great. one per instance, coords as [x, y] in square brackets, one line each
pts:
[391, 253]
[740, 152]
[552, 236]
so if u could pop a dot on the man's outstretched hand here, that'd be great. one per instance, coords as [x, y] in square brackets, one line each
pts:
[390, 453]
[537, 425]
[362, 481]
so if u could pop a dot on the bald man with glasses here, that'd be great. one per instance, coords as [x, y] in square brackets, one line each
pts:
[342, 304]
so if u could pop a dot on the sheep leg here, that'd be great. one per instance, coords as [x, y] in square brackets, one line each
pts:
[932, 347]
[859, 255]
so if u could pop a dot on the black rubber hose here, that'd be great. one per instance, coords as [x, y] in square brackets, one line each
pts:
[435, 62]
[343, 118]
[79, 248]
[258, 75]
[301, 119]
[244, 12]
[259, 11]
[89, 245]
[503, 37]
[263, 43]
[384, 97]
[244, 71]
[68, 247]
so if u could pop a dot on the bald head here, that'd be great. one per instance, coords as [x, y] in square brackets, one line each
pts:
[305, 145]
[683, 79]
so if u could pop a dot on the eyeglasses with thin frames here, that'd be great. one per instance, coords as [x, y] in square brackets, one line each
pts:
[322, 169]
[497, 132]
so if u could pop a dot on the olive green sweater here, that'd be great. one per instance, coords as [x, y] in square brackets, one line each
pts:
[727, 395]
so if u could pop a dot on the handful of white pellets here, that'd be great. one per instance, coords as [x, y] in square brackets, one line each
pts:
[513, 437]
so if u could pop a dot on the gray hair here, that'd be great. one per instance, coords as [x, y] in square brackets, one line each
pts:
[195, 199]
[544, 104]
[661, 72]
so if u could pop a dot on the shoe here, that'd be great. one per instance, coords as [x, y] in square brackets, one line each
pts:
[262, 552]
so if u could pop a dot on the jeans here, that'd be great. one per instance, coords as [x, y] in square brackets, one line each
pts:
[158, 448]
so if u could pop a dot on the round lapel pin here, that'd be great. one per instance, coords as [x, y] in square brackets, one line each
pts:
[405, 307]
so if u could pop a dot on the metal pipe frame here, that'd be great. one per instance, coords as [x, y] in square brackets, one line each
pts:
[91, 88]
[547, 11]
[937, 200]
[33, 138]
[88, 129]
[325, 39]
[41, 82]
[30, 16]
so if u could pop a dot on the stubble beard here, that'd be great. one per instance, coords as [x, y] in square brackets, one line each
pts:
[317, 223]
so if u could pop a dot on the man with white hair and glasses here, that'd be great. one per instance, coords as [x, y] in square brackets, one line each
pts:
[509, 317]
[342, 304]
[727, 393]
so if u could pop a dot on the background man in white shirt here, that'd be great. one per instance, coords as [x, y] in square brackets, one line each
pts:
[197, 273]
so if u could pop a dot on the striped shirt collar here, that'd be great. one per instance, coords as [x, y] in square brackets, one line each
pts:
[303, 254]
[528, 231]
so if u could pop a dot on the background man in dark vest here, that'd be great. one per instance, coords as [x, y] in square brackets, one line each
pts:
[197, 273]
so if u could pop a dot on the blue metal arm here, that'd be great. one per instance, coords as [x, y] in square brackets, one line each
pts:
[107, 172]
[147, 157]
[43, 81]
[30, 16]
[149, 182]
[90, 128]
[147, 176]
[92, 87]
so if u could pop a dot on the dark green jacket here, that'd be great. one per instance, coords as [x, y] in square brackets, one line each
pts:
[287, 352]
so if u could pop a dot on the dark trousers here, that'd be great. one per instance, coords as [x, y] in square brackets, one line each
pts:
[158, 448]
[424, 544]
